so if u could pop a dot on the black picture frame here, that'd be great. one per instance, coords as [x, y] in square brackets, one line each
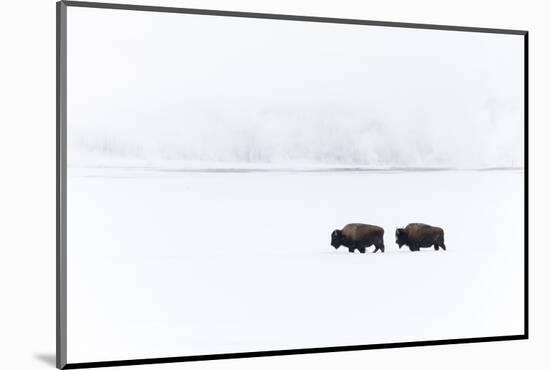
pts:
[61, 183]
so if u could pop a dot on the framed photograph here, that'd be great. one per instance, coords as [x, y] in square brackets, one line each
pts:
[237, 184]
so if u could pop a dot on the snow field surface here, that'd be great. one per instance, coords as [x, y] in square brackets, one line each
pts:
[174, 263]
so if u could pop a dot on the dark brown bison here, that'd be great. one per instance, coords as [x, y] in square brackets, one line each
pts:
[418, 236]
[358, 236]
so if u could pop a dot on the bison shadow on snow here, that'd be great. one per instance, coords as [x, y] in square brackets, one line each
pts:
[358, 236]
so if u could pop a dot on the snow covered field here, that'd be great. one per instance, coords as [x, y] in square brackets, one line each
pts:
[174, 263]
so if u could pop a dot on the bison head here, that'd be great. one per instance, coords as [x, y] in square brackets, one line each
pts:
[336, 239]
[400, 237]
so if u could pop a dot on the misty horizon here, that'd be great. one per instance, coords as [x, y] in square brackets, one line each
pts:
[268, 93]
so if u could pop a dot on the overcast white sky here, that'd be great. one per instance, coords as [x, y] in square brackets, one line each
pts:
[152, 87]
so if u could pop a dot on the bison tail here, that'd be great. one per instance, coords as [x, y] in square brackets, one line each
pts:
[441, 236]
[441, 241]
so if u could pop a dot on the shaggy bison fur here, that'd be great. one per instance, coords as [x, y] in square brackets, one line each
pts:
[417, 236]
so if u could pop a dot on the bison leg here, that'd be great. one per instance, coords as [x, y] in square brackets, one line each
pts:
[443, 246]
[379, 247]
[414, 248]
[362, 250]
[351, 250]
[436, 247]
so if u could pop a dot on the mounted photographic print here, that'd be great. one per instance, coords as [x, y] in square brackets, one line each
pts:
[240, 184]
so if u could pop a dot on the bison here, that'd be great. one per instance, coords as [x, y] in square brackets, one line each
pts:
[358, 236]
[417, 236]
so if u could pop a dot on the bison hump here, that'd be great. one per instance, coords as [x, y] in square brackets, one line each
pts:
[358, 231]
[417, 225]
[418, 231]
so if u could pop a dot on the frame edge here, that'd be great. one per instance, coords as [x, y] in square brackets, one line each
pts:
[289, 17]
[305, 351]
[526, 181]
[61, 184]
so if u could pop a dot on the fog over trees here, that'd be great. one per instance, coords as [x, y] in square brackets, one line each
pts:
[186, 89]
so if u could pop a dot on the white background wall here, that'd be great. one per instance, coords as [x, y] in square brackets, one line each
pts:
[27, 196]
